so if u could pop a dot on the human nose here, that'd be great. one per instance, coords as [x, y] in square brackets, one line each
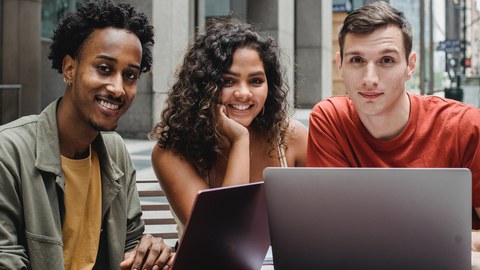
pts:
[115, 86]
[243, 91]
[370, 77]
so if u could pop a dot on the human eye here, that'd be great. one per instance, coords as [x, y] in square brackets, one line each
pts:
[104, 68]
[356, 60]
[130, 75]
[387, 60]
[257, 81]
[227, 81]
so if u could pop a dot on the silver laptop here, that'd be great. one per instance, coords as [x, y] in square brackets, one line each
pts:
[369, 218]
[227, 229]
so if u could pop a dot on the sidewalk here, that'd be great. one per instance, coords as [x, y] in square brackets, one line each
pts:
[140, 152]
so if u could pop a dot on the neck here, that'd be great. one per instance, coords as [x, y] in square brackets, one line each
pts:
[75, 137]
[390, 124]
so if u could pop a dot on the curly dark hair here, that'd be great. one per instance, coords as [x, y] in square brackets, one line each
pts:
[76, 27]
[190, 122]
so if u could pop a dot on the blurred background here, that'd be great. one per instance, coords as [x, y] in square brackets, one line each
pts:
[446, 38]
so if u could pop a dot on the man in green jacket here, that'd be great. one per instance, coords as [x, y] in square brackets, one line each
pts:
[68, 195]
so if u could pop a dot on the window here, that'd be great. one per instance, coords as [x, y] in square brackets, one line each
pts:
[52, 11]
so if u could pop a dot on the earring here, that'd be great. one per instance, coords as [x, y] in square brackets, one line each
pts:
[263, 110]
[67, 82]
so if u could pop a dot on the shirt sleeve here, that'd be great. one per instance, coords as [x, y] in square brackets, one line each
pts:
[323, 148]
[12, 253]
[135, 223]
[469, 129]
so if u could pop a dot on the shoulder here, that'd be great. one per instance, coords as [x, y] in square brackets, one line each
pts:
[296, 140]
[112, 144]
[113, 140]
[18, 133]
[337, 106]
[20, 125]
[450, 115]
[443, 108]
[112, 137]
[162, 157]
[18, 148]
[159, 152]
[432, 102]
[333, 113]
[168, 165]
[334, 102]
[295, 129]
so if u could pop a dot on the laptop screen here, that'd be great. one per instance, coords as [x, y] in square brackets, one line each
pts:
[227, 229]
[369, 218]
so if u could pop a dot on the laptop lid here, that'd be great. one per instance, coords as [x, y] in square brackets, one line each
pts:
[227, 229]
[369, 218]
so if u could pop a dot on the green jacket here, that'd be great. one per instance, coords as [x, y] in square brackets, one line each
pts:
[32, 189]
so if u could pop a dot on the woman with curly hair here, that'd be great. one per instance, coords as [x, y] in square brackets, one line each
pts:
[225, 118]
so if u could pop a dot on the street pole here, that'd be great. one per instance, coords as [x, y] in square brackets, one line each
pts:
[431, 49]
[464, 48]
[422, 47]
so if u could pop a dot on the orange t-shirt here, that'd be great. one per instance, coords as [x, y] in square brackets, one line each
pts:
[440, 133]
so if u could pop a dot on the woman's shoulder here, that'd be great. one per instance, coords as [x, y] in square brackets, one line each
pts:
[295, 129]
[296, 135]
[167, 160]
[296, 143]
[164, 155]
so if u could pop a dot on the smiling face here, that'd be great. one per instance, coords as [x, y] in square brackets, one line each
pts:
[104, 78]
[245, 86]
[375, 70]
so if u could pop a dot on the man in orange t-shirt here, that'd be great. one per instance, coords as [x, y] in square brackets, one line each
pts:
[379, 124]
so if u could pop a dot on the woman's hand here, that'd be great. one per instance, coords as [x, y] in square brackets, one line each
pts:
[230, 128]
[238, 162]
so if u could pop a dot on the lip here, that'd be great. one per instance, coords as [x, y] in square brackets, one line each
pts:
[240, 108]
[370, 95]
[109, 107]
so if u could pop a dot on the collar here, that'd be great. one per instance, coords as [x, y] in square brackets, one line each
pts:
[48, 146]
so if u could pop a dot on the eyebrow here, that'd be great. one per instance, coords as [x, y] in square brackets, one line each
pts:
[249, 75]
[384, 51]
[109, 58]
[390, 50]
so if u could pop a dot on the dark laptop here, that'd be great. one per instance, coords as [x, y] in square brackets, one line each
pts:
[227, 229]
[369, 218]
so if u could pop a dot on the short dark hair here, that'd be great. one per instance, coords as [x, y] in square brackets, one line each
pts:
[373, 16]
[189, 122]
[76, 27]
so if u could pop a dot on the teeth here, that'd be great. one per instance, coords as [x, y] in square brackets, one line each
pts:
[108, 105]
[241, 107]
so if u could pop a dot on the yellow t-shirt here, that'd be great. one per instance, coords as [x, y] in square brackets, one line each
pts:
[83, 211]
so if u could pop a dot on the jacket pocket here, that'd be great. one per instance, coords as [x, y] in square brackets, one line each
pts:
[45, 252]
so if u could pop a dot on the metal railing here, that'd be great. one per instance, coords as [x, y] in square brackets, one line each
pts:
[18, 88]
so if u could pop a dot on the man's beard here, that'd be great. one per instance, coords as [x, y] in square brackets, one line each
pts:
[99, 127]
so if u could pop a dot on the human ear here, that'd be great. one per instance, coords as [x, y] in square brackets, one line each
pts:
[412, 61]
[338, 61]
[68, 68]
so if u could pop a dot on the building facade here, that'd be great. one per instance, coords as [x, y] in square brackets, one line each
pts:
[306, 31]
